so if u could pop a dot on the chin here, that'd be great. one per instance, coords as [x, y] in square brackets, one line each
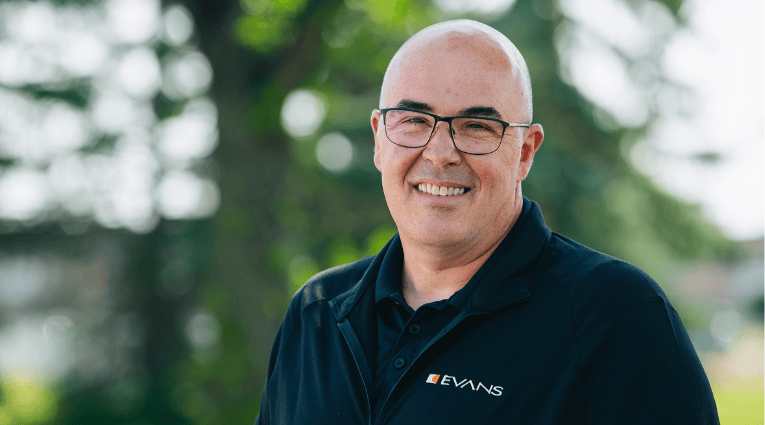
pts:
[439, 236]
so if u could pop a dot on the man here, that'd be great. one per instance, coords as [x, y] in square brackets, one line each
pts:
[476, 312]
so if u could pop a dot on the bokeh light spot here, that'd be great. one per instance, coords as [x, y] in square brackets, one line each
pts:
[24, 194]
[183, 195]
[191, 135]
[113, 112]
[133, 21]
[203, 330]
[179, 24]
[65, 128]
[334, 152]
[35, 23]
[139, 73]
[303, 112]
[84, 54]
[187, 75]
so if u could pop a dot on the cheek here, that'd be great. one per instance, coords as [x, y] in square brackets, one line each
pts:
[509, 165]
[396, 162]
[497, 176]
[493, 174]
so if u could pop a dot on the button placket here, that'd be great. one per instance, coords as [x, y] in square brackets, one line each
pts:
[408, 344]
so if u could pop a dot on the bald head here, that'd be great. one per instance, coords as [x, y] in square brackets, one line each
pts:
[489, 45]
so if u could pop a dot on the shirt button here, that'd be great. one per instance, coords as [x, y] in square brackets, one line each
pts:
[399, 363]
[414, 329]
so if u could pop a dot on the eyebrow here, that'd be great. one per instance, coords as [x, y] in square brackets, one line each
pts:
[473, 111]
[411, 104]
[480, 111]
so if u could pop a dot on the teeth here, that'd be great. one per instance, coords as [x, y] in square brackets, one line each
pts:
[440, 190]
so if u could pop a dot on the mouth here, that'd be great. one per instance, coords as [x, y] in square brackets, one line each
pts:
[436, 190]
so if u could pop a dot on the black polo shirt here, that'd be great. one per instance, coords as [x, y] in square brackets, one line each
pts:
[552, 333]
[403, 333]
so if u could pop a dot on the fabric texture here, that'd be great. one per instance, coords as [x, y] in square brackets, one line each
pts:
[553, 333]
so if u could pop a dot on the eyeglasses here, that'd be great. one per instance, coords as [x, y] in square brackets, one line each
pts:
[472, 135]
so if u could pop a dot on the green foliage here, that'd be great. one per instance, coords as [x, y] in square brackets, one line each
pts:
[264, 33]
[75, 93]
[27, 401]
[268, 23]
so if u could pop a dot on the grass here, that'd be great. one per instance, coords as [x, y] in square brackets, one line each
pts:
[739, 406]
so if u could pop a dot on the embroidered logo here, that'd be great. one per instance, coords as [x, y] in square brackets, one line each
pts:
[449, 381]
[433, 379]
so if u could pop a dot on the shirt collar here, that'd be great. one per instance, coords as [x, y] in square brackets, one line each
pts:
[389, 275]
[513, 255]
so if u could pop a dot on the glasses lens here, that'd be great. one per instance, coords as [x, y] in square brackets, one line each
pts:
[477, 135]
[407, 128]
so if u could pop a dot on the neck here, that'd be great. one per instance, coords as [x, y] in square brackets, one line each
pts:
[432, 274]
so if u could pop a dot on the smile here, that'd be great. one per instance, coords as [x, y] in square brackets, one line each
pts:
[440, 190]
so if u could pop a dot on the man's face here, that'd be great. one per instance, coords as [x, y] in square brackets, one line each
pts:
[446, 76]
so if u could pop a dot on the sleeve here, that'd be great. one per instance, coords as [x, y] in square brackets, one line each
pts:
[264, 414]
[638, 366]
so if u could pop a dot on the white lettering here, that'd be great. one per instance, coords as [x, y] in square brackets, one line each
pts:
[465, 382]
[488, 390]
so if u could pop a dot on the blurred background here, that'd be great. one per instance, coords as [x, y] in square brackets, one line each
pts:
[171, 171]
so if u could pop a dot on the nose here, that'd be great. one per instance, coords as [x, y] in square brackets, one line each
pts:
[441, 150]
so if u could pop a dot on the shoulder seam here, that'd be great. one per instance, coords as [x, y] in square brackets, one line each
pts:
[323, 274]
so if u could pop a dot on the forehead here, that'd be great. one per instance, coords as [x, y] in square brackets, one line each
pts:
[453, 71]
[454, 42]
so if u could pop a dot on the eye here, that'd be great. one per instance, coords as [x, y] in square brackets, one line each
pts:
[408, 119]
[415, 120]
[476, 126]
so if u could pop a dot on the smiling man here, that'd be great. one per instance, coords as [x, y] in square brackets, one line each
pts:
[476, 311]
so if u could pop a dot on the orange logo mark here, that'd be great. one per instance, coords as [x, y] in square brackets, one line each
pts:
[433, 378]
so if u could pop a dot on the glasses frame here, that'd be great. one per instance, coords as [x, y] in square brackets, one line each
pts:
[449, 120]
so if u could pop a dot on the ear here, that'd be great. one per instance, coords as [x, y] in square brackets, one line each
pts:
[531, 143]
[377, 127]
